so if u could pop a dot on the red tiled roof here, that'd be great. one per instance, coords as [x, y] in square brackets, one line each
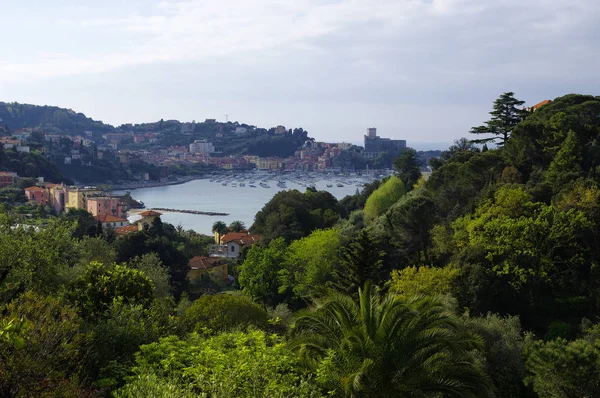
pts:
[126, 230]
[203, 262]
[150, 213]
[35, 189]
[241, 238]
[109, 218]
[230, 236]
[540, 104]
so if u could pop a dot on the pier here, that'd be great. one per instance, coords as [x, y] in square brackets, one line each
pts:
[203, 213]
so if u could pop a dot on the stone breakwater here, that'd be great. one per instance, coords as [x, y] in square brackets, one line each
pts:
[203, 213]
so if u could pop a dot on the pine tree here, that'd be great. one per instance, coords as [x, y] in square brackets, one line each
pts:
[505, 116]
[361, 260]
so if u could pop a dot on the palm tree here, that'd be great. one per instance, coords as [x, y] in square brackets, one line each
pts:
[382, 346]
[237, 226]
[220, 228]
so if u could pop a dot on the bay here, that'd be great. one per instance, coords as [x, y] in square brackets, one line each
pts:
[241, 202]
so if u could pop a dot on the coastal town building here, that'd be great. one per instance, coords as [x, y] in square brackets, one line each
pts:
[202, 147]
[77, 197]
[230, 244]
[38, 195]
[7, 178]
[106, 205]
[375, 145]
[148, 218]
[110, 221]
[201, 268]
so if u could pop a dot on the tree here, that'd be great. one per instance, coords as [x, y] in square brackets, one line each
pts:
[51, 353]
[237, 226]
[413, 281]
[360, 261]
[408, 168]
[560, 368]
[566, 166]
[238, 364]
[95, 290]
[505, 116]
[154, 269]
[503, 352]
[382, 346]
[309, 263]
[222, 313]
[384, 197]
[220, 228]
[258, 277]
[292, 215]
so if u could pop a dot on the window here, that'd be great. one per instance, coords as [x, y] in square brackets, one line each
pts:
[232, 249]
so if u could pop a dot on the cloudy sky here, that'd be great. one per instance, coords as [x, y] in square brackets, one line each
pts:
[422, 70]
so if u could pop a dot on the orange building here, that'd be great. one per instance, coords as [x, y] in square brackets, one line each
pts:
[106, 205]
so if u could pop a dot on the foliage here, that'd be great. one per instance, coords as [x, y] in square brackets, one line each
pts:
[384, 346]
[153, 268]
[309, 263]
[31, 258]
[408, 168]
[414, 281]
[503, 352]
[383, 198]
[258, 276]
[292, 215]
[360, 261]
[116, 336]
[164, 240]
[51, 350]
[222, 313]
[100, 285]
[505, 116]
[560, 368]
[237, 226]
[239, 364]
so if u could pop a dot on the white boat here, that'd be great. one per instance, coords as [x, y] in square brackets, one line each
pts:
[329, 185]
[340, 185]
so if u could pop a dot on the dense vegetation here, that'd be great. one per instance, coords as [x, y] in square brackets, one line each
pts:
[480, 281]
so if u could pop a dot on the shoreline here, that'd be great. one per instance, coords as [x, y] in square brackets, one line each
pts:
[134, 186]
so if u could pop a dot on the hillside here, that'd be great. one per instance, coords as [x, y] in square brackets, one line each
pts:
[50, 119]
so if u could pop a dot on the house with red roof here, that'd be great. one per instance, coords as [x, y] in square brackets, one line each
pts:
[232, 243]
[110, 221]
[539, 105]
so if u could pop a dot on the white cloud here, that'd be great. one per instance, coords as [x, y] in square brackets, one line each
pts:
[415, 53]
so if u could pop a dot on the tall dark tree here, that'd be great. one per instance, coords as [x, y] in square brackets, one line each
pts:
[361, 260]
[237, 226]
[505, 116]
[407, 168]
[219, 227]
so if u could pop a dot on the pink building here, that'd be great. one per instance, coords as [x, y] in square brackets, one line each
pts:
[6, 179]
[106, 205]
[38, 195]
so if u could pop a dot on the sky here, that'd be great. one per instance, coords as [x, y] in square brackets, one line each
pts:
[421, 70]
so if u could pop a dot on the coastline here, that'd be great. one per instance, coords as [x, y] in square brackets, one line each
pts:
[133, 186]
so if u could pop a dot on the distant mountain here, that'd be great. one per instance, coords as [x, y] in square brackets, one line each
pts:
[50, 119]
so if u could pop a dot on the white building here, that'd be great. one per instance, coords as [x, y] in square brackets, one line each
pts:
[202, 147]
